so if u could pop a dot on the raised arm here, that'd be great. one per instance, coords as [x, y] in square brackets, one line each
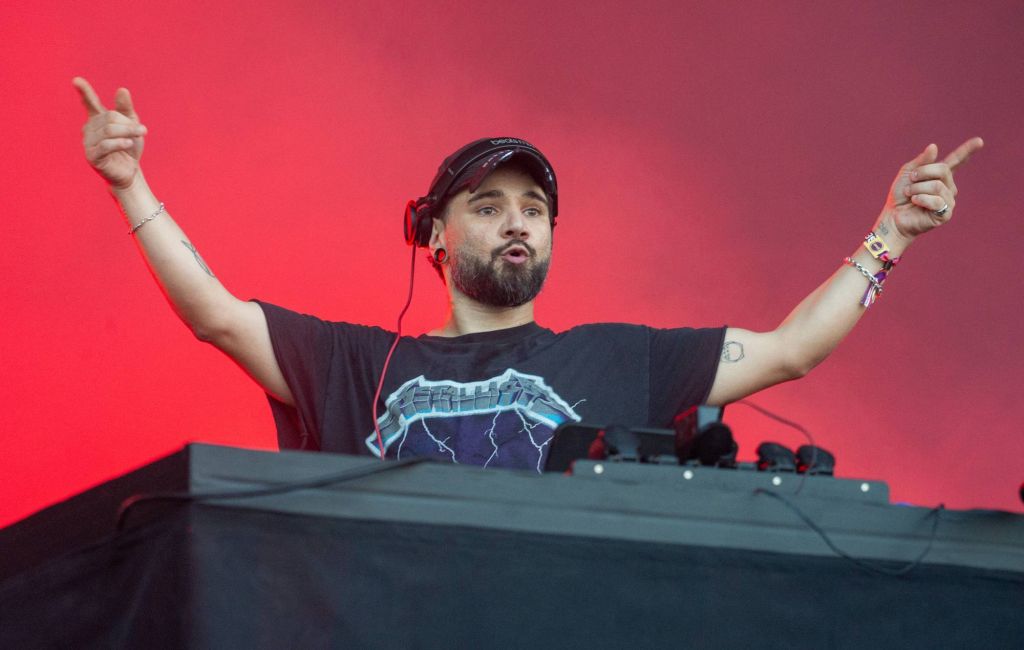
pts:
[921, 198]
[113, 142]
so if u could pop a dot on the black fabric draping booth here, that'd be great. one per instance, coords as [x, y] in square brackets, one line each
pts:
[429, 555]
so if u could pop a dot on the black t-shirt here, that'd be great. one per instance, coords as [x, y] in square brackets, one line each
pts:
[491, 398]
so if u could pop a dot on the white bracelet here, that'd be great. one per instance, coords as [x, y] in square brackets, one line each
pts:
[147, 220]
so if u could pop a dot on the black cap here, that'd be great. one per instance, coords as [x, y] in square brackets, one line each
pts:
[470, 165]
[467, 168]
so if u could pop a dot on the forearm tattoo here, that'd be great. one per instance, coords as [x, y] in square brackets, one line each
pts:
[199, 260]
[882, 229]
[732, 351]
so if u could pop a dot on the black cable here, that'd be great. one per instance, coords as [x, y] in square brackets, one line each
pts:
[778, 418]
[340, 477]
[868, 566]
[789, 423]
[391, 351]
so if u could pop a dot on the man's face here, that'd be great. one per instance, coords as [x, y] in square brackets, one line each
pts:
[499, 239]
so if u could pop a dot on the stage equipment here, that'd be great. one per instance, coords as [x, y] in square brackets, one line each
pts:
[773, 457]
[700, 435]
[571, 442]
[436, 555]
[815, 460]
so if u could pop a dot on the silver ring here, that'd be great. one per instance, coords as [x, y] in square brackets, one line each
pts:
[941, 211]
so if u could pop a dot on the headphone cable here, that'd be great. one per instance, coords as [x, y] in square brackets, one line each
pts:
[387, 359]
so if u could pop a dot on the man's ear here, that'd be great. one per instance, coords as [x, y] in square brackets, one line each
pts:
[437, 237]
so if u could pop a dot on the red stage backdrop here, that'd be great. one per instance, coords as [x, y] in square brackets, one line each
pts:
[716, 163]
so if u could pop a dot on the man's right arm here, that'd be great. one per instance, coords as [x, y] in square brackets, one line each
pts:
[113, 145]
[236, 327]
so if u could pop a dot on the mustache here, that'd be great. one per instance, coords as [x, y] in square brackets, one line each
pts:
[501, 250]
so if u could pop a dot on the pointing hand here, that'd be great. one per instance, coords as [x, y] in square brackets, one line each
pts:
[923, 195]
[113, 139]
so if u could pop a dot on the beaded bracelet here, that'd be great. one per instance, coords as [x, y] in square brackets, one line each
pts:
[147, 219]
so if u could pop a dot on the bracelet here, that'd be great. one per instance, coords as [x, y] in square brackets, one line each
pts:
[879, 249]
[876, 280]
[147, 220]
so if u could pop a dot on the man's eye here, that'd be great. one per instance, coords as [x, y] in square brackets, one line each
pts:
[532, 212]
[487, 211]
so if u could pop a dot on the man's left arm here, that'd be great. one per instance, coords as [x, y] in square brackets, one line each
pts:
[921, 198]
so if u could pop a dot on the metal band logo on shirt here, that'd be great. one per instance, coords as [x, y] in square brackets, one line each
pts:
[505, 421]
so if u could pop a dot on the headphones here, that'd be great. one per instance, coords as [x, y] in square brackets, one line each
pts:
[469, 166]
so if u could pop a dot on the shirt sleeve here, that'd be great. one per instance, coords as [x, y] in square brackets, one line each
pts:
[683, 364]
[303, 347]
[332, 370]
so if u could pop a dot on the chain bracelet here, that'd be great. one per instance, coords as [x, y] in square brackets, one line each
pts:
[866, 273]
[147, 220]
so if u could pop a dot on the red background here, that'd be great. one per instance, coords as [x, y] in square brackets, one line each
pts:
[716, 162]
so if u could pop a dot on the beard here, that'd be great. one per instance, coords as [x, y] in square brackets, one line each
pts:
[496, 282]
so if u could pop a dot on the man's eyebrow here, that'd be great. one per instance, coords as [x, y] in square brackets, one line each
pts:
[493, 194]
[534, 195]
[498, 194]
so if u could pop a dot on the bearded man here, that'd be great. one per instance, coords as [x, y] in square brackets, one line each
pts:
[490, 385]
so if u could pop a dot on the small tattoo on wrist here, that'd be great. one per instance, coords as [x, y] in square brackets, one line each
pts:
[882, 229]
[732, 351]
[199, 260]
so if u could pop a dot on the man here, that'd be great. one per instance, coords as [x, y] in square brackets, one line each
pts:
[490, 385]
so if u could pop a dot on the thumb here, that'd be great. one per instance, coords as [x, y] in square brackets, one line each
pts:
[926, 157]
[123, 102]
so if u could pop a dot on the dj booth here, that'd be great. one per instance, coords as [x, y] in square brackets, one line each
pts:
[244, 549]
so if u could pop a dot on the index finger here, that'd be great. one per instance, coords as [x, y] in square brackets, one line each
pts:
[963, 152]
[92, 103]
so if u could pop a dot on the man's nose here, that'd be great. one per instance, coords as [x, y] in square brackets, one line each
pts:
[515, 225]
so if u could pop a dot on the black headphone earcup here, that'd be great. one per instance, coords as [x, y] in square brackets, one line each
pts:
[417, 223]
[410, 225]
